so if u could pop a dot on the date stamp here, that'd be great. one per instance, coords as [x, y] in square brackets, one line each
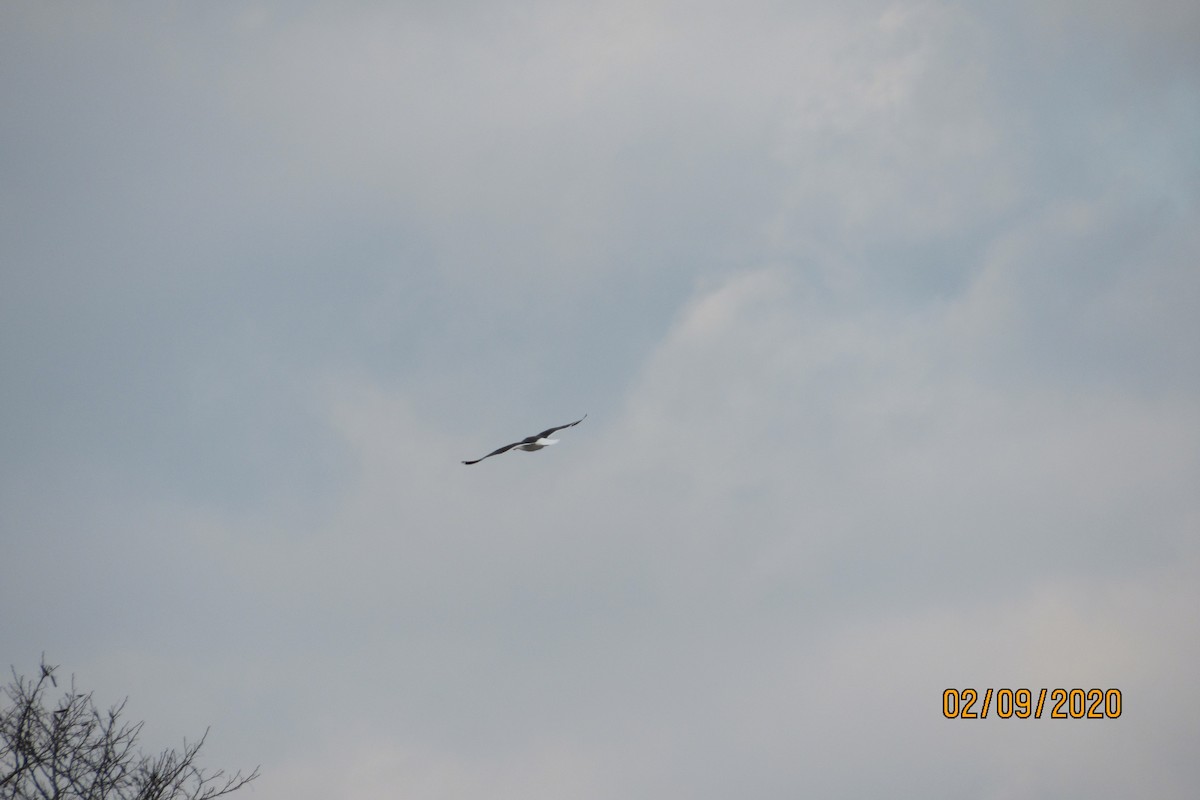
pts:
[1023, 703]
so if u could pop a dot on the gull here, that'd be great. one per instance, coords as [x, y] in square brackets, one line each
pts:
[531, 443]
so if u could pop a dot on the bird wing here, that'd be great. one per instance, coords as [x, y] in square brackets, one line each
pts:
[496, 452]
[549, 431]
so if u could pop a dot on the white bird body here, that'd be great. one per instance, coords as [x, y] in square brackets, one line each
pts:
[538, 445]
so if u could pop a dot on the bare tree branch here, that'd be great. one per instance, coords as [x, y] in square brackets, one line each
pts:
[77, 752]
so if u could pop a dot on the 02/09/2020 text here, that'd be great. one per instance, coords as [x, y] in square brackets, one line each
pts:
[1023, 704]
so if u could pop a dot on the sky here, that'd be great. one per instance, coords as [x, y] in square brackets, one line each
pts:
[884, 316]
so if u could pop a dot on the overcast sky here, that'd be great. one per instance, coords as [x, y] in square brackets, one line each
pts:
[886, 317]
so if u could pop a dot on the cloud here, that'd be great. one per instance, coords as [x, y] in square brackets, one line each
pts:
[883, 314]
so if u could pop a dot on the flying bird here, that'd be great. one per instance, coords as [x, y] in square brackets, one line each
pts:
[531, 443]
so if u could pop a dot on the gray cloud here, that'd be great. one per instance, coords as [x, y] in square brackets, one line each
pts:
[883, 314]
